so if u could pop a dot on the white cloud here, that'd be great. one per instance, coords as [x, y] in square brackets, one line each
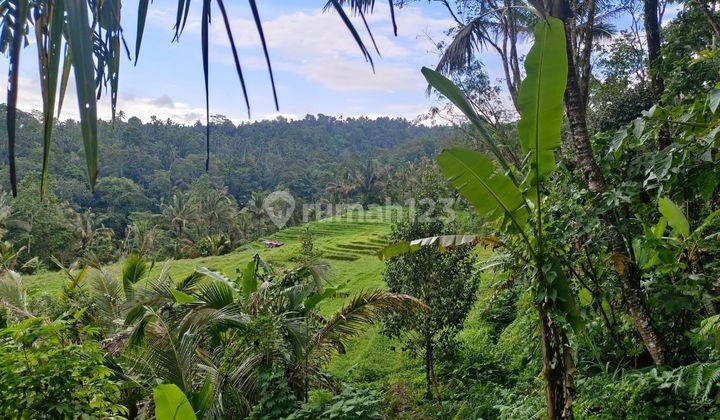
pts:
[162, 107]
[304, 33]
[351, 75]
[317, 46]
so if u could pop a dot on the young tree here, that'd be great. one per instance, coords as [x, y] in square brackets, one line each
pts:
[517, 209]
[443, 281]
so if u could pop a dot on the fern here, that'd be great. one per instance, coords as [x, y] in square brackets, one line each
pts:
[709, 331]
[697, 380]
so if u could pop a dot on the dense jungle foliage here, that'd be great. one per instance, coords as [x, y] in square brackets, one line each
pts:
[153, 190]
[575, 275]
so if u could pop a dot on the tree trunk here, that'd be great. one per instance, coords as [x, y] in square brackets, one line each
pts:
[580, 138]
[586, 45]
[557, 373]
[652, 36]
[630, 286]
[428, 365]
[585, 159]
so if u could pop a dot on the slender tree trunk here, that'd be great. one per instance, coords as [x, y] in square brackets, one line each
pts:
[586, 45]
[428, 365]
[580, 137]
[556, 372]
[652, 35]
[585, 159]
[630, 286]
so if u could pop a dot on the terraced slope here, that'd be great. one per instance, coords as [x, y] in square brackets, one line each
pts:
[349, 244]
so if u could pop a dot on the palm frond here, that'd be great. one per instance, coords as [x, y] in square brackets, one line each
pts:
[134, 269]
[215, 294]
[13, 295]
[108, 301]
[471, 37]
[362, 309]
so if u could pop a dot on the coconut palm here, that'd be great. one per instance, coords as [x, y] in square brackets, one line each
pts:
[215, 210]
[7, 220]
[180, 212]
[366, 182]
[84, 226]
[213, 337]
[255, 208]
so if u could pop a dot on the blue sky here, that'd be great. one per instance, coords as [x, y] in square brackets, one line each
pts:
[318, 67]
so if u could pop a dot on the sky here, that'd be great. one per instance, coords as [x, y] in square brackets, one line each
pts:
[318, 67]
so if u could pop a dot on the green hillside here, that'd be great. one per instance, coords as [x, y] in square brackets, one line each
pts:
[348, 244]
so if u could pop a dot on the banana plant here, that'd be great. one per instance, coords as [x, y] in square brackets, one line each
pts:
[514, 199]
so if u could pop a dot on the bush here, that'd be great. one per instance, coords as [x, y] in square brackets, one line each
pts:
[351, 404]
[276, 398]
[652, 393]
[45, 375]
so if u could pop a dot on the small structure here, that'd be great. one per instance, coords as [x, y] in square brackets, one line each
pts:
[273, 244]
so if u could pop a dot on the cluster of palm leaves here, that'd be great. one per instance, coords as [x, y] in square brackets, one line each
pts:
[212, 336]
[365, 183]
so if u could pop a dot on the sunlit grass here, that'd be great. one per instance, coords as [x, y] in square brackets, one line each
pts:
[371, 357]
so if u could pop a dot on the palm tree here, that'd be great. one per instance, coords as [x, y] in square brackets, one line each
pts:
[180, 212]
[216, 211]
[83, 226]
[7, 221]
[213, 337]
[256, 209]
[366, 182]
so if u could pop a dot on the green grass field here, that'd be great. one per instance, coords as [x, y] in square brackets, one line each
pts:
[349, 244]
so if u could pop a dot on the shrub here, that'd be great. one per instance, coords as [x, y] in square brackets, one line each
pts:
[351, 404]
[45, 375]
[276, 398]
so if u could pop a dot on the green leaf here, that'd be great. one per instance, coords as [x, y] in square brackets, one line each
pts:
[714, 99]
[540, 98]
[67, 65]
[312, 301]
[134, 269]
[214, 275]
[172, 404]
[585, 296]
[182, 297]
[19, 16]
[205, 37]
[566, 298]
[249, 278]
[659, 229]
[396, 249]
[49, 68]
[491, 192]
[141, 17]
[79, 38]
[675, 216]
[697, 233]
